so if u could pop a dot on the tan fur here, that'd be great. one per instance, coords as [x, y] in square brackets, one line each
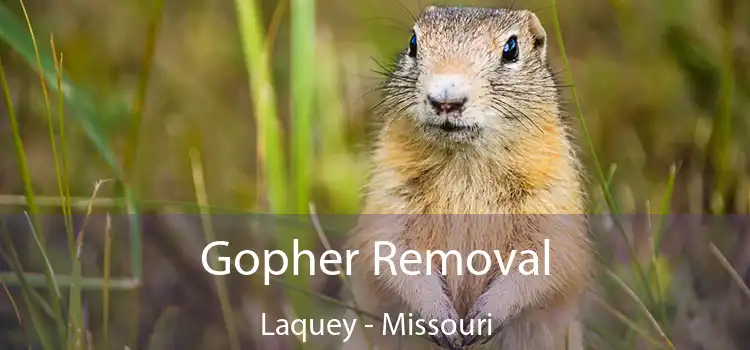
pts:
[526, 172]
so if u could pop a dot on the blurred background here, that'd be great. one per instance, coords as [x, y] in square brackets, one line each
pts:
[177, 103]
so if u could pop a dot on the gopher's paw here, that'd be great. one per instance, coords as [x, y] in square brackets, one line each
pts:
[441, 310]
[485, 324]
[439, 307]
[447, 341]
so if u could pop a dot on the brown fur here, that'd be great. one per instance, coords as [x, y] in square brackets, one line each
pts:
[525, 168]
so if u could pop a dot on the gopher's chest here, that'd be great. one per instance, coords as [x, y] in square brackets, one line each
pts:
[471, 249]
[464, 186]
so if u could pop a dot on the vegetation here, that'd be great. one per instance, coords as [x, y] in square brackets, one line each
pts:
[177, 110]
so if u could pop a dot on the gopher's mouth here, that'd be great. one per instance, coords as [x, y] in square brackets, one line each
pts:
[451, 127]
[453, 131]
[448, 126]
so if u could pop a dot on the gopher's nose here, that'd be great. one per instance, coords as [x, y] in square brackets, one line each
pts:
[442, 105]
[447, 93]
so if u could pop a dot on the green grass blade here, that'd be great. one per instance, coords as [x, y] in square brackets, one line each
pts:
[606, 335]
[641, 305]
[736, 278]
[53, 143]
[128, 184]
[39, 299]
[579, 113]
[269, 135]
[202, 198]
[628, 322]
[598, 168]
[302, 94]
[132, 208]
[49, 278]
[344, 278]
[16, 311]
[25, 175]
[36, 230]
[76, 333]
[270, 151]
[610, 179]
[106, 283]
[36, 280]
[325, 298]
[665, 207]
[23, 168]
[76, 330]
[11, 257]
[13, 32]
[303, 38]
[139, 102]
[657, 237]
[721, 132]
[65, 191]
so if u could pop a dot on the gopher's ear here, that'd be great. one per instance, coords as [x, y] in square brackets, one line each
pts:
[429, 8]
[538, 34]
[426, 11]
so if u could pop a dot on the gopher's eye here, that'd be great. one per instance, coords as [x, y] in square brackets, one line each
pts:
[413, 46]
[510, 50]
